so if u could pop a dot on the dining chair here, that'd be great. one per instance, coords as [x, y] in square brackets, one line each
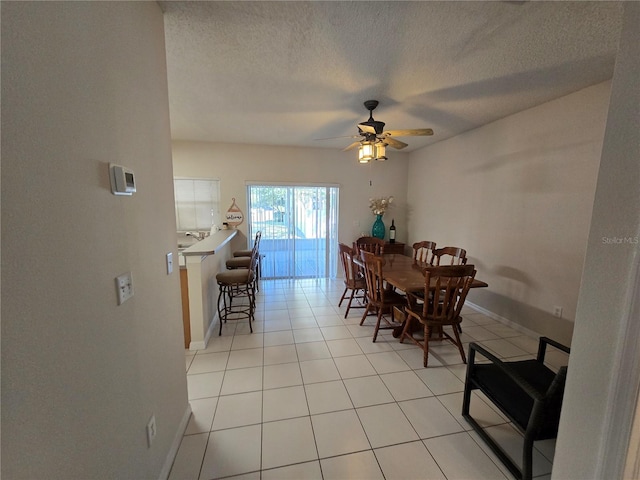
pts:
[370, 244]
[527, 391]
[458, 256]
[446, 289]
[380, 299]
[352, 278]
[423, 252]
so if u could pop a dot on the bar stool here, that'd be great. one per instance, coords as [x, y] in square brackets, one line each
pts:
[237, 285]
[247, 253]
[242, 258]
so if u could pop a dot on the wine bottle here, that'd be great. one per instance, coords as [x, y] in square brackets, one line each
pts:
[392, 232]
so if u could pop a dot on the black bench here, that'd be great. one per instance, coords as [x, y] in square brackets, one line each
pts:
[527, 392]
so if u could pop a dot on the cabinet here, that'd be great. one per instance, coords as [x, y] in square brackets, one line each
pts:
[397, 248]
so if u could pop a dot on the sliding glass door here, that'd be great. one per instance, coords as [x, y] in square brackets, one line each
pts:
[299, 225]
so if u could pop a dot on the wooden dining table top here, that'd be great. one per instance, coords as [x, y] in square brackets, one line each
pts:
[401, 272]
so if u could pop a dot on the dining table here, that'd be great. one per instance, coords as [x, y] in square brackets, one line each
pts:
[406, 275]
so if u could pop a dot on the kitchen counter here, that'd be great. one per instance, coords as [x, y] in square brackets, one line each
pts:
[203, 261]
[210, 244]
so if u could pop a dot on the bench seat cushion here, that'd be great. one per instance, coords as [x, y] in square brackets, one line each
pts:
[506, 394]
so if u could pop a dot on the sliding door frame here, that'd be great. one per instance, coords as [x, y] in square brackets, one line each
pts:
[331, 217]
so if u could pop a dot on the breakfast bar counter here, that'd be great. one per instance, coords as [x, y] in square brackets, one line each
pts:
[211, 244]
[203, 261]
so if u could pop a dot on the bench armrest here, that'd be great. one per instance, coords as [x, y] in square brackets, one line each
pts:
[542, 347]
[504, 367]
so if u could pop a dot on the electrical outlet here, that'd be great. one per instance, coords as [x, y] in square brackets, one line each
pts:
[124, 287]
[557, 311]
[151, 430]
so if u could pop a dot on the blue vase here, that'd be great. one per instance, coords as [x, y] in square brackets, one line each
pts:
[378, 229]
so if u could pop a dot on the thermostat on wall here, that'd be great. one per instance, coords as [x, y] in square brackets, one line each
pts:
[123, 181]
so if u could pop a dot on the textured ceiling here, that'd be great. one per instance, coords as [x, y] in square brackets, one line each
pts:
[290, 73]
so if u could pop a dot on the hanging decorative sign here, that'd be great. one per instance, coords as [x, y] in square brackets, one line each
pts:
[234, 215]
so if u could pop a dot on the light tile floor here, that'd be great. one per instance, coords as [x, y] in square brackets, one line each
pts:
[308, 395]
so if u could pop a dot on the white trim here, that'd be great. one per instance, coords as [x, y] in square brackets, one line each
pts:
[505, 321]
[211, 329]
[197, 178]
[201, 345]
[290, 184]
[193, 346]
[175, 445]
[618, 451]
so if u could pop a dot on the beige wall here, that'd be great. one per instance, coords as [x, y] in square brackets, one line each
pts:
[604, 370]
[84, 84]
[517, 194]
[235, 164]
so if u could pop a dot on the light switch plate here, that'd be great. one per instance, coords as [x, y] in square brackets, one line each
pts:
[169, 262]
[151, 430]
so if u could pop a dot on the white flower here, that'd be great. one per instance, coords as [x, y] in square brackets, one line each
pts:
[379, 205]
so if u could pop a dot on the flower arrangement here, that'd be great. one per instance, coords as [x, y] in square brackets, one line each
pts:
[380, 205]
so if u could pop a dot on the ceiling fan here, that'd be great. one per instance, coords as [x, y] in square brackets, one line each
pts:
[375, 139]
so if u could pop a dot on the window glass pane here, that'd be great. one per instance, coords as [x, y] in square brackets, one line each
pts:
[299, 229]
[197, 203]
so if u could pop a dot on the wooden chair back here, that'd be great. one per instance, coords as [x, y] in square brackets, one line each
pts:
[370, 244]
[423, 252]
[373, 277]
[379, 299]
[458, 256]
[348, 265]
[447, 288]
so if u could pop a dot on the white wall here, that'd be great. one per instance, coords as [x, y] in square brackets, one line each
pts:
[604, 369]
[84, 84]
[236, 164]
[517, 194]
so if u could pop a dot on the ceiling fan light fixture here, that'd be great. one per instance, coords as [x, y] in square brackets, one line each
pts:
[365, 152]
[381, 151]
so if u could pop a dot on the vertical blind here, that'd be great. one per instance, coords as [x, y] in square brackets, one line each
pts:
[299, 227]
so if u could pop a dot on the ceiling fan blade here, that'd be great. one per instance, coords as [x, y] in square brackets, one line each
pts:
[409, 133]
[366, 128]
[332, 138]
[353, 145]
[392, 142]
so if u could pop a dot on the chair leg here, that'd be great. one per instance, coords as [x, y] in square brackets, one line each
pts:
[375, 333]
[466, 398]
[527, 458]
[353, 292]
[364, 315]
[251, 292]
[408, 320]
[222, 315]
[459, 344]
[343, 295]
[425, 346]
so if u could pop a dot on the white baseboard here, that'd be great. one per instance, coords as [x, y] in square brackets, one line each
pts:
[211, 329]
[175, 445]
[503, 320]
[202, 344]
